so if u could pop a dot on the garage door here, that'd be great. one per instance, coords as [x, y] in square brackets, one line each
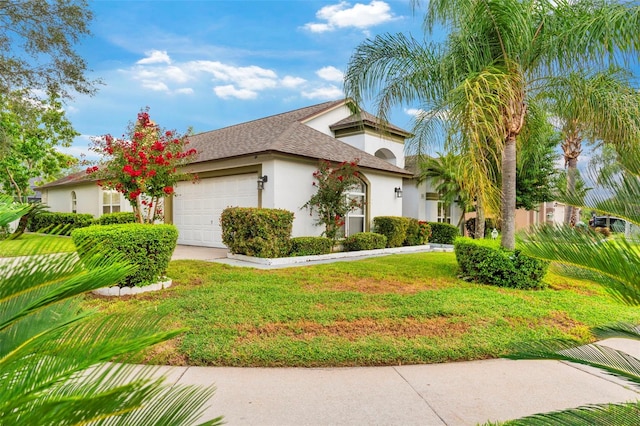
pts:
[197, 206]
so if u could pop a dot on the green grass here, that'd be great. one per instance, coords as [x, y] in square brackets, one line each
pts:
[401, 309]
[28, 244]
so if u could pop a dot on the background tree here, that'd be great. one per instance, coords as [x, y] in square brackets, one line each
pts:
[498, 54]
[595, 107]
[37, 47]
[31, 133]
[144, 168]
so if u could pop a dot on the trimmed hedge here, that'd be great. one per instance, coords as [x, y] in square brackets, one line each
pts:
[418, 233]
[148, 247]
[364, 241]
[443, 233]
[310, 246]
[59, 223]
[486, 262]
[257, 232]
[392, 227]
[116, 218]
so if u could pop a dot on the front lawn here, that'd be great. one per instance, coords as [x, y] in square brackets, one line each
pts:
[400, 309]
[27, 244]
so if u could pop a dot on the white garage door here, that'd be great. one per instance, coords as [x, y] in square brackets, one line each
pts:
[197, 206]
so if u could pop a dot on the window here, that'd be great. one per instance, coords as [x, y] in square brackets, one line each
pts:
[74, 202]
[444, 212]
[356, 219]
[110, 202]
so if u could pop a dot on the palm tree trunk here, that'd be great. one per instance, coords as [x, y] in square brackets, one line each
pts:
[480, 219]
[572, 170]
[509, 193]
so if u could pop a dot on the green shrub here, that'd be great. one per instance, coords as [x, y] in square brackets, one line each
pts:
[116, 218]
[148, 247]
[59, 223]
[418, 233]
[486, 262]
[443, 233]
[257, 232]
[310, 246]
[365, 241]
[392, 227]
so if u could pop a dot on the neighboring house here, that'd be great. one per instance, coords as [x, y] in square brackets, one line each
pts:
[423, 202]
[267, 163]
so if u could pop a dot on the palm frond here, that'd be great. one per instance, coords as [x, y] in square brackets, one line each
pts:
[56, 359]
[624, 414]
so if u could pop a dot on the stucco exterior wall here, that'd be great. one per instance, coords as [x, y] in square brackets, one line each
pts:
[290, 186]
[371, 143]
[322, 122]
[88, 199]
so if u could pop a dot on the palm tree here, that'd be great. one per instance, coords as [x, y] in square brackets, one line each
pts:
[57, 360]
[449, 173]
[497, 56]
[612, 263]
[601, 106]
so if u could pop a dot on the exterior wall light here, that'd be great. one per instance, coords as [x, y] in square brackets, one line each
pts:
[398, 192]
[261, 181]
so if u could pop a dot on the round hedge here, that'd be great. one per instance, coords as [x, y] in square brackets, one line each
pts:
[148, 247]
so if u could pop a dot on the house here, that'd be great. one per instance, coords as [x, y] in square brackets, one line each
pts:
[267, 163]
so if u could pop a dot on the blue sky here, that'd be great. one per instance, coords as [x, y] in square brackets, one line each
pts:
[211, 64]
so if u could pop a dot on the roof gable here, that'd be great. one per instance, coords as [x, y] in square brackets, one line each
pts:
[284, 133]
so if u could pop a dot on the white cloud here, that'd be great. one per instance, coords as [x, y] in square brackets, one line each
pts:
[343, 15]
[327, 93]
[156, 86]
[155, 57]
[330, 74]
[229, 91]
[292, 82]
[252, 77]
[185, 91]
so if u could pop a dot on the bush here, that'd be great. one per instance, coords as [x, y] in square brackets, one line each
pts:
[116, 218]
[486, 262]
[365, 241]
[489, 224]
[418, 233]
[310, 246]
[443, 233]
[59, 223]
[148, 247]
[392, 227]
[257, 232]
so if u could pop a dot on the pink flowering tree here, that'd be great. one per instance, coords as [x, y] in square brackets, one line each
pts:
[330, 202]
[144, 166]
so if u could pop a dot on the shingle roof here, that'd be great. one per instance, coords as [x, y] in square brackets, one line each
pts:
[364, 118]
[70, 180]
[284, 133]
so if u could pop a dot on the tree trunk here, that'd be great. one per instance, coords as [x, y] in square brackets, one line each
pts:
[509, 193]
[480, 219]
[572, 171]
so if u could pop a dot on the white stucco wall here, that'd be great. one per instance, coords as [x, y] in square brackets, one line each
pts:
[88, 196]
[322, 122]
[290, 186]
[417, 206]
[372, 143]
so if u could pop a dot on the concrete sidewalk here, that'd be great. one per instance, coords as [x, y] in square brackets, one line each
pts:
[463, 393]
